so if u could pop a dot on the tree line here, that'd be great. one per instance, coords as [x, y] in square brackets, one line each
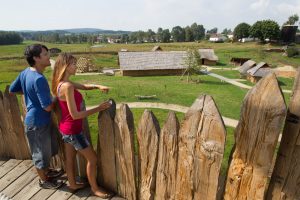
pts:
[10, 37]
[262, 29]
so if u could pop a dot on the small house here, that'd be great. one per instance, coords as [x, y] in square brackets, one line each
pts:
[152, 63]
[238, 61]
[259, 71]
[245, 67]
[208, 57]
[217, 38]
[54, 50]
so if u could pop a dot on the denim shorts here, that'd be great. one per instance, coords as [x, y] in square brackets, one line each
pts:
[78, 141]
[43, 145]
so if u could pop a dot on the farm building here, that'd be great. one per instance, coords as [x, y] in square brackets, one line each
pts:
[245, 67]
[259, 71]
[208, 57]
[217, 38]
[238, 61]
[152, 63]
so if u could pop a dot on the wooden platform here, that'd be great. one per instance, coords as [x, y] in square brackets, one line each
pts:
[19, 180]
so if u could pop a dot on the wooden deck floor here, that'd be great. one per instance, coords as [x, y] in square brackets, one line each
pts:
[19, 180]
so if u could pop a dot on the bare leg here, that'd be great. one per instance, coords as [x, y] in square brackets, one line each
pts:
[70, 166]
[91, 158]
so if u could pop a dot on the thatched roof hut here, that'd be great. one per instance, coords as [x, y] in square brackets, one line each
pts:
[259, 71]
[208, 57]
[246, 66]
[238, 61]
[156, 48]
[152, 63]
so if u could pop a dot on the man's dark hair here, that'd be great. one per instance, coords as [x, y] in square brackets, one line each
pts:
[33, 50]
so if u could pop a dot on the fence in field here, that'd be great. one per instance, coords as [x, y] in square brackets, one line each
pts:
[182, 160]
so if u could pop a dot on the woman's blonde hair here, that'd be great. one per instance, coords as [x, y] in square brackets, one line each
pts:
[61, 64]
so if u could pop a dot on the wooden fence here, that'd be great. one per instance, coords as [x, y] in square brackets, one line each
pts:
[182, 160]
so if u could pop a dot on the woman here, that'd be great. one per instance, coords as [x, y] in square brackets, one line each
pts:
[70, 122]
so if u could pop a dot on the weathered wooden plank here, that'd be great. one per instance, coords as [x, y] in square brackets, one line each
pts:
[124, 148]
[107, 175]
[201, 148]
[167, 159]
[256, 137]
[29, 190]
[5, 150]
[16, 127]
[2, 162]
[7, 166]
[61, 194]
[20, 183]
[42, 194]
[81, 194]
[12, 175]
[148, 136]
[285, 179]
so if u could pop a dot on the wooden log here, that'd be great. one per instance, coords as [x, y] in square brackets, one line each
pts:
[124, 148]
[167, 159]
[256, 136]
[4, 148]
[285, 180]
[107, 175]
[201, 148]
[148, 136]
[16, 127]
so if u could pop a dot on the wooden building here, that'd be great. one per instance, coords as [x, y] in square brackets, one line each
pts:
[238, 61]
[208, 57]
[245, 67]
[259, 71]
[152, 63]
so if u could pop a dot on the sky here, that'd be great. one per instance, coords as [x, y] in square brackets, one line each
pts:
[134, 15]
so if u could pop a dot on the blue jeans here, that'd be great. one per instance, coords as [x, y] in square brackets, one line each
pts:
[43, 145]
[78, 141]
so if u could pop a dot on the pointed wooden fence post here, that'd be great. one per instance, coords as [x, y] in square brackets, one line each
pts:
[167, 159]
[256, 137]
[201, 148]
[285, 181]
[124, 149]
[5, 151]
[148, 136]
[106, 152]
[15, 126]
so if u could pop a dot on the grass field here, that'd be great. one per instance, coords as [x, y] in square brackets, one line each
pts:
[169, 89]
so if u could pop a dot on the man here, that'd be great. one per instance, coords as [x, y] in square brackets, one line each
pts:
[32, 83]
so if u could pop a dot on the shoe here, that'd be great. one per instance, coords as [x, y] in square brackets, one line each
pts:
[53, 184]
[52, 173]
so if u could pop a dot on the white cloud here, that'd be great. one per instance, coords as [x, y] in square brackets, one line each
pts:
[260, 5]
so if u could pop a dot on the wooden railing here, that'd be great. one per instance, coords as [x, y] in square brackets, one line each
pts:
[183, 160]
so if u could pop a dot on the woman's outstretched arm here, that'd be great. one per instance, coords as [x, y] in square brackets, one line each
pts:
[90, 87]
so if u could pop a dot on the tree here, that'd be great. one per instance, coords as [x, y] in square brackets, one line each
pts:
[265, 29]
[213, 31]
[192, 63]
[166, 36]
[150, 35]
[241, 31]
[159, 34]
[10, 38]
[178, 34]
[198, 31]
[292, 20]
[188, 34]
[226, 31]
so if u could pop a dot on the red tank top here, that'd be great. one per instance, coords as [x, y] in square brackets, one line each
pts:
[67, 124]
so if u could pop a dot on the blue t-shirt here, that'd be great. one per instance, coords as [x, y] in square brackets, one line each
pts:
[37, 96]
